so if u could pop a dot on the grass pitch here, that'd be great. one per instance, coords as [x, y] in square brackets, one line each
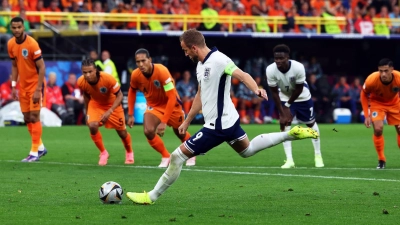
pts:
[222, 188]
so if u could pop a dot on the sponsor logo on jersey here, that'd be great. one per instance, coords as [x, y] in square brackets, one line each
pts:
[25, 53]
[103, 90]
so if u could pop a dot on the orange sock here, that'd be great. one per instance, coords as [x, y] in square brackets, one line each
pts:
[257, 114]
[29, 125]
[127, 143]
[379, 143]
[36, 134]
[186, 107]
[159, 146]
[242, 113]
[186, 137]
[398, 140]
[98, 141]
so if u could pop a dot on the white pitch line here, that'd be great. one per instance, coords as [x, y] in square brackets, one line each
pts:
[221, 171]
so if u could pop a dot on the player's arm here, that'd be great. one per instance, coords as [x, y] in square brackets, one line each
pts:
[296, 93]
[364, 102]
[41, 70]
[131, 101]
[86, 99]
[172, 99]
[196, 107]
[234, 71]
[277, 100]
[117, 101]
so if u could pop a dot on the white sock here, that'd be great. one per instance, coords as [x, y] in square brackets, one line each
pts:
[287, 146]
[177, 160]
[33, 153]
[264, 141]
[316, 142]
[41, 147]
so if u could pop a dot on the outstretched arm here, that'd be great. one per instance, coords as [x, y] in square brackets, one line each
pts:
[249, 82]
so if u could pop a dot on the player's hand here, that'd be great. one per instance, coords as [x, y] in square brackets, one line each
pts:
[286, 118]
[161, 129]
[367, 122]
[105, 116]
[131, 121]
[261, 93]
[183, 127]
[36, 96]
[14, 94]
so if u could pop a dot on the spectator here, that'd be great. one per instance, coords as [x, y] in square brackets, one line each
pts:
[118, 24]
[228, 11]
[322, 90]
[95, 57]
[342, 95]
[54, 8]
[35, 20]
[177, 9]
[209, 24]
[395, 15]
[109, 66]
[55, 101]
[315, 67]
[147, 9]
[187, 90]
[355, 93]
[248, 100]
[364, 25]
[73, 98]
[6, 92]
[166, 10]
[305, 11]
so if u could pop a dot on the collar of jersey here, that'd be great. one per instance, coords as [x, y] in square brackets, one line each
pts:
[22, 40]
[214, 49]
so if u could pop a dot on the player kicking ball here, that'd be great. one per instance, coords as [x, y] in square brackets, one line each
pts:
[287, 81]
[103, 97]
[214, 72]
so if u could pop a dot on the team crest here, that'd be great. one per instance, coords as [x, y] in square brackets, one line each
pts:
[395, 89]
[25, 53]
[206, 73]
[103, 90]
[292, 79]
[374, 114]
[157, 83]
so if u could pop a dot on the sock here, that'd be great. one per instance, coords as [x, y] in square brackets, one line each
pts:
[186, 107]
[287, 146]
[170, 175]
[257, 114]
[264, 141]
[186, 137]
[159, 146]
[379, 143]
[127, 143]
[36, 134]
[41, 145]
[398, 140]
[29, 125]
[242, 113]
[316, 142]
[98, 141]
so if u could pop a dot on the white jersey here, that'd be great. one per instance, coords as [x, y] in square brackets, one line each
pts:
[218, 109]
[286, 82]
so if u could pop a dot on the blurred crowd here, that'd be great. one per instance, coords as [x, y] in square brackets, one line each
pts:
[358, 13]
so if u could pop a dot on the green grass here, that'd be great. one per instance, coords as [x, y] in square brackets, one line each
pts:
[222, 188]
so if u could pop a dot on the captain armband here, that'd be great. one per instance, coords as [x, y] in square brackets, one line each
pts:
[230, 68]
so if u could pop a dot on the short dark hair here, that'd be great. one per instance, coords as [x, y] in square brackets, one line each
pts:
[193, 37]
[281, 48]
[386, 62]
[17, 19]
[88, 62]
[142, 51]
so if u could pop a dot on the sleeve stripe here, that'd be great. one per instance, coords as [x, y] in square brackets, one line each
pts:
[40, 57]
[115, 93]
[169, 86]
[12, 58]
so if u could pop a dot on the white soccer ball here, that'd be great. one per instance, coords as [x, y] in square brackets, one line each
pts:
[111, 193]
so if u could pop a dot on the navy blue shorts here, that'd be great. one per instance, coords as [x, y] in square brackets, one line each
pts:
[206, 139]
[304, 111]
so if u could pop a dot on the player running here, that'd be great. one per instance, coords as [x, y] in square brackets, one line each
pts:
[380, 99]
[103, 98]
[164, 106]
[287, 81]
[28, 64]
[214, 72]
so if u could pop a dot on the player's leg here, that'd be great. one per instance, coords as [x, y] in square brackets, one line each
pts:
[117, 121]
[200, 143]
[242, 110]
[92, 119]
[257, 107]
[393, 119]
[175, 121]
[377, 116]
[305, 113]
[287, 145]
[151, 121]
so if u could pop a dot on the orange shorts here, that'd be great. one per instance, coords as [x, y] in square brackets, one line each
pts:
[176, 118]
[379, 112]
[115, 121]
[26, 101]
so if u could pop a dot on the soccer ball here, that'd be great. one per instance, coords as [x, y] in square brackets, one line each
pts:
[111, 193]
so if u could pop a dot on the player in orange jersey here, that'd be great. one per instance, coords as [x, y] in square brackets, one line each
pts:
[163, 103]
[380, 99]
[28, 64]
[103, 98]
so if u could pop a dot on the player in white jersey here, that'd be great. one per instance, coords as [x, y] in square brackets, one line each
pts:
[287, 81]
[214, 71]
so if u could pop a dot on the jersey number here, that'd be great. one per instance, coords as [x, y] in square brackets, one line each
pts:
[311, 110]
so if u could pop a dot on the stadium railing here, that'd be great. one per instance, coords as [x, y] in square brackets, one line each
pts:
[186, 20]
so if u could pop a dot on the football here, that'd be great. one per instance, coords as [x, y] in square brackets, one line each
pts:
[111, 193]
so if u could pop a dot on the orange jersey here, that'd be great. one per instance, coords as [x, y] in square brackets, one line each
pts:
[153, 87]
[25, 55]
[380, 93]
[104, 92]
